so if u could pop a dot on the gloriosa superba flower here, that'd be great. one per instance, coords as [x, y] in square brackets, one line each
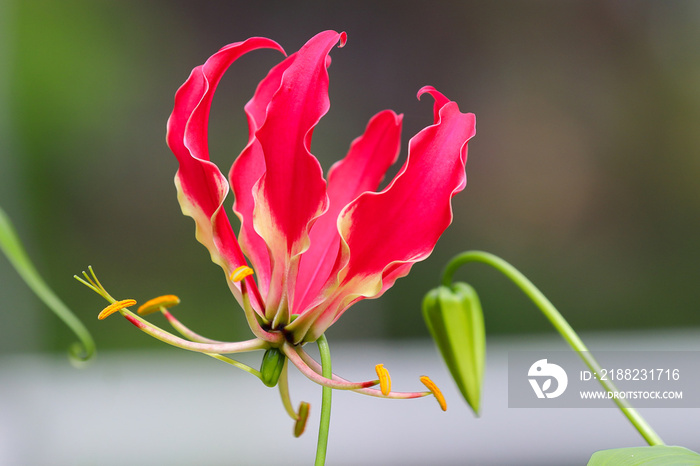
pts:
[307, 248]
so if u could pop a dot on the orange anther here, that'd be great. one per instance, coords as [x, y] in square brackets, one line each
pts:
[114, 307]
[153, 305]
[384, 379]
[240, 273]
[435, 391]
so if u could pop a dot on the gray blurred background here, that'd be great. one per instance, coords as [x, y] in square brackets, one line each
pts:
[583, 172]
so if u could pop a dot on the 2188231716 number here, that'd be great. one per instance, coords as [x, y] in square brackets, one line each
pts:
[642, 374]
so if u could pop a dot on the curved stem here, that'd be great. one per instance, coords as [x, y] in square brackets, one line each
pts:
[327, 393]
[283, 385]
[11, 245]
[559, 323]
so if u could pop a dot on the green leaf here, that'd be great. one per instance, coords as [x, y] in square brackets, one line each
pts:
[648, 456]
[456, 323]
[12, 247]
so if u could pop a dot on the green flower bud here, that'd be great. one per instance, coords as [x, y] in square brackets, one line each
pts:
[456, 323]
[272, 365]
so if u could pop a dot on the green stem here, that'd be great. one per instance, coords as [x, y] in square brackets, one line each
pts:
[325, 402]
[12, 247]
[559, 323]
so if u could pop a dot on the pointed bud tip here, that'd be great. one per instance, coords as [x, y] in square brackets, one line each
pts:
[455, 320]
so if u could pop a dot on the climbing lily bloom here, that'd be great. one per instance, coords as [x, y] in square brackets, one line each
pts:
[308, 247]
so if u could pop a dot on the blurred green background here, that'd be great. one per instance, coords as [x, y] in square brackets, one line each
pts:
[584, 171]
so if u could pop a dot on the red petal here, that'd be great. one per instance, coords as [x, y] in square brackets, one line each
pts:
[248, 169]
[414, 210]
[202, 187]
[361, 170]
[386, 233]
[292, 192]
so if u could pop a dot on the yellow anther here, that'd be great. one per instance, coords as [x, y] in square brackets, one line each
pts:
[240, 273]
[384, 379]
[302, 416]
[435, 391]
[114, 307]
[155, 304]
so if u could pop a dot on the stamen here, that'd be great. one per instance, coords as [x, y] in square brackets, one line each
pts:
[435, 391]
[240, 273]
[302, 416]
[185, 331]
[317, 377]
[156, 304]
[114, 307]
[384, 379]
[316, 367]
[169, 338]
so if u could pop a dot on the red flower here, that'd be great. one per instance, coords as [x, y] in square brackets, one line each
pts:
[316, 247]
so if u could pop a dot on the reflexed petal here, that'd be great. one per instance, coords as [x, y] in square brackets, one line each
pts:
[292, 192]
[201, 186]
[385, 233]
[361, 170]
